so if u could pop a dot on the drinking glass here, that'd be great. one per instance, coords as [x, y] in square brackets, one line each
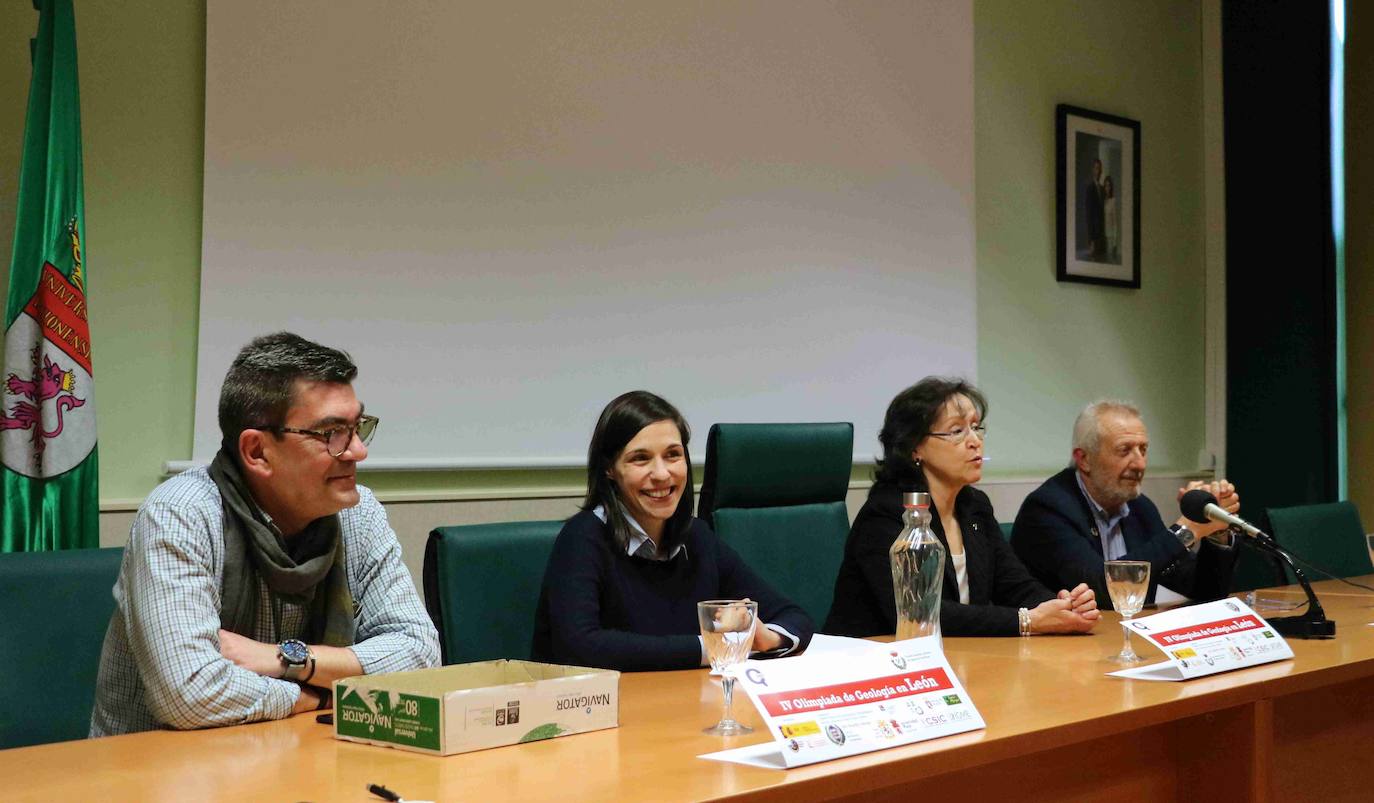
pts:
[1127, 583]
[727, 627]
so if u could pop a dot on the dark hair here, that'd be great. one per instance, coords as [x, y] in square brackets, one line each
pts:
[909, 419]
[260, 386]
[619, 423]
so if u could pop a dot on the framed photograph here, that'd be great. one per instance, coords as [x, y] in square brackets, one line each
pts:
[1098, 175]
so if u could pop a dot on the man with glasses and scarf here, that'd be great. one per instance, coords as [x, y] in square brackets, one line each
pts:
[249, 586]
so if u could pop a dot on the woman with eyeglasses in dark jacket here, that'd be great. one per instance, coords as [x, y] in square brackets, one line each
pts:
[932, 440]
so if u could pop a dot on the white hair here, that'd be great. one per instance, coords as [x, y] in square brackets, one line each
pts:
[1087, 428]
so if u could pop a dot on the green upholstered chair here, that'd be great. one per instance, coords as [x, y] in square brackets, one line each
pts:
[54, 610]
[482, 586]
[776, 494]
[1006, 530]
[1329, 535]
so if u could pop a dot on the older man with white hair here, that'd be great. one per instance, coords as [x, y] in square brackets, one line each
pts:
[1093, 511]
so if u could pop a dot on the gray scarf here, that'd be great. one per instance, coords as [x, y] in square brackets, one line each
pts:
[317, 577]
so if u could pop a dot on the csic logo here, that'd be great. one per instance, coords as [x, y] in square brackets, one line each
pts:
[48, 354]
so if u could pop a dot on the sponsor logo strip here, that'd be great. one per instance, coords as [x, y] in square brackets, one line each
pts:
[840, 695]
[1222, 627]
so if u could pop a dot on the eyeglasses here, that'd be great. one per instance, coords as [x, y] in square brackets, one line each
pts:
[958, 435]
[337, 439]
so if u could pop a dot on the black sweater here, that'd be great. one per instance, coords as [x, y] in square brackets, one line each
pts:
[601, 607]
[998, 583]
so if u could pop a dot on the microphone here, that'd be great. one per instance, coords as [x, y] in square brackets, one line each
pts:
[1200, 506]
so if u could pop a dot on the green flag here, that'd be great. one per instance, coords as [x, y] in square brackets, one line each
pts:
[47, 399]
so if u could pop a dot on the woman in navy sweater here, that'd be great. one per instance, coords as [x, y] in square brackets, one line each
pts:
[625, 576]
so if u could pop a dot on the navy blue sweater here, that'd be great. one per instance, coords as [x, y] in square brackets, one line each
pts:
[601, 607]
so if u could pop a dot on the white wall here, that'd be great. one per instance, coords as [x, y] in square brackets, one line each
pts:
[511, 213]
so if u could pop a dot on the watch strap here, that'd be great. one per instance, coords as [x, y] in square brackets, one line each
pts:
[1184, 535]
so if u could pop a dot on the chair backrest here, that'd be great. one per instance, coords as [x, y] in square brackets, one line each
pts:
[482, 587]
[776, 494]
[1006, 530]
[54, 610]
[1329, 535]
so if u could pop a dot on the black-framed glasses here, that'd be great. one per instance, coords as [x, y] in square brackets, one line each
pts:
[958, 435]
[337, 439]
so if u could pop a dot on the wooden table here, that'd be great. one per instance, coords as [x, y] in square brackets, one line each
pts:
[1057, 728]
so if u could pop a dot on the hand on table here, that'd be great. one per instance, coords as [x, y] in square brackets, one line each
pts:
[1058, 616]
[310, 700]
[733, 620]
[1081, 599]
[255, 656]
[765, 639]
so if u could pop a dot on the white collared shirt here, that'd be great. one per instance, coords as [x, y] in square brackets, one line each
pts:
[639, 544]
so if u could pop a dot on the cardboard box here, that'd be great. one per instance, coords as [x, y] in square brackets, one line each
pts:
[465, 707]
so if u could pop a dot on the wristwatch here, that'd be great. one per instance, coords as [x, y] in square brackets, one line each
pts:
[1184, 535]
[298, 662]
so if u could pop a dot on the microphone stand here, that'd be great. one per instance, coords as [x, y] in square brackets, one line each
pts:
[1309, 625]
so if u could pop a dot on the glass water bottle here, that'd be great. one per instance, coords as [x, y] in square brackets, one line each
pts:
[918, 570]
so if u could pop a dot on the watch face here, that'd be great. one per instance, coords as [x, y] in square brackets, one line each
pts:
[294, 651]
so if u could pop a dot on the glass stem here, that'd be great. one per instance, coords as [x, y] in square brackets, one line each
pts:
[1126, 646]
[727, 685]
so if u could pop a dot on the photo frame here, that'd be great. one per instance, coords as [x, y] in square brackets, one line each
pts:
[1098, 192]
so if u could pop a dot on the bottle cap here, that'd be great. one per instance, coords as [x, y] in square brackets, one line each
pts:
[915, 499]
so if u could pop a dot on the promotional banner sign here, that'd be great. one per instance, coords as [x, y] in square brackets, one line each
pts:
[832, 704]
[1206, 639]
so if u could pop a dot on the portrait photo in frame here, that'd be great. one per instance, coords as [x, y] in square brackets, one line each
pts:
[1098, 193]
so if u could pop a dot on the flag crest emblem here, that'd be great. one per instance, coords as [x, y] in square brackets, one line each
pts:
[40, 436]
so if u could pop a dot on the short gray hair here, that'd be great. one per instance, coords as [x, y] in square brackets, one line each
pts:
[1087, 428]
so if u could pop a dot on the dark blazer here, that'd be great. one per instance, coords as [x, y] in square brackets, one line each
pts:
[864, 604]
[1094, 213]
[1056, 536]
[601, 607]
